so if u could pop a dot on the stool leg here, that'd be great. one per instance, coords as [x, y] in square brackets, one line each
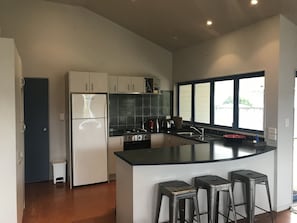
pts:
[191, 211]
[232, 205]
[269, 200]
[230, 201]
[173, 210]
[196, 205]
[212, 206]
[217, 207]
[159, 201]
[181, 208]
[250, 196]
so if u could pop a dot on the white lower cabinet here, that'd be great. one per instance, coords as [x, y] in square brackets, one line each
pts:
[115, 144]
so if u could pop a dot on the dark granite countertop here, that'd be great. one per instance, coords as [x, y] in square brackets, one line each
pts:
[213, 151]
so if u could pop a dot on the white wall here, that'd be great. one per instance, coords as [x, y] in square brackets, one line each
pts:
[54, 38]
[269, 45]
[286, 80]
[8, 143]
[253, 48]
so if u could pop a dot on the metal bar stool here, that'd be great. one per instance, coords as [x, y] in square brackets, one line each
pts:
[250, 179]
[177, 192]
[213, 184]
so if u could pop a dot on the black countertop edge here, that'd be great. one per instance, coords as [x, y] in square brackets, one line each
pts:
[177, 131]
[192, 154]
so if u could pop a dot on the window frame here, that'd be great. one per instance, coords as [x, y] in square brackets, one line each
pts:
[235, 78]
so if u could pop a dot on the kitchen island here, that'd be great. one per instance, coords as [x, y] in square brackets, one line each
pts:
[139, 171]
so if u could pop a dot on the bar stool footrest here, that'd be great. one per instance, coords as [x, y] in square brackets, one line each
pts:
[240, 204]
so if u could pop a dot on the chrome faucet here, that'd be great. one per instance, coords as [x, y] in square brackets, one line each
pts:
[199, 130]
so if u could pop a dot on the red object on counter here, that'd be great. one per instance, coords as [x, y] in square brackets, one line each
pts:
[151, 125]
[234, 136]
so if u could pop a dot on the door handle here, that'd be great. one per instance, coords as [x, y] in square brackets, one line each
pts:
[44, 129]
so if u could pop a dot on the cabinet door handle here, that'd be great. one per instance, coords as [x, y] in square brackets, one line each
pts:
[86, 87]
[92, 87]
[133, 87]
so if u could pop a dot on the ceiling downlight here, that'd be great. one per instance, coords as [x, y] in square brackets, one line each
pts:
[209, 22]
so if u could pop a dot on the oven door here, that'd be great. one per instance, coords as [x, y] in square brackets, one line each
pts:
[145, 144]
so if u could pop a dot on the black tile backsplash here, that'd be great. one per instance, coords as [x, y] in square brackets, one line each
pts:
[131, 110]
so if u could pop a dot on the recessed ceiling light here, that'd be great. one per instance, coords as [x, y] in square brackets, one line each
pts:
[208, 22]
[254, 2]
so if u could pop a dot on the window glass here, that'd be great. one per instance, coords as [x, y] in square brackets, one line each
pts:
[251, 103]
[185, 102]
[223, 102]
[202, 103]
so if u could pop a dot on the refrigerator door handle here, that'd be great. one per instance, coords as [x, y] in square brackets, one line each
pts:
[105, 122]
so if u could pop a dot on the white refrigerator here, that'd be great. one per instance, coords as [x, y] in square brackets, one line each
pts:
[89, 138]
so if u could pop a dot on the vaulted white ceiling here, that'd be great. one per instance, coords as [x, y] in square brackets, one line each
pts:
[175, 24]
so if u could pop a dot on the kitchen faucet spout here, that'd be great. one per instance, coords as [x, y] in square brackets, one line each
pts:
[199, 130]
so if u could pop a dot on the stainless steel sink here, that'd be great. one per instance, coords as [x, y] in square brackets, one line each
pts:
[202, 138]
[208, 138]
[188, 134]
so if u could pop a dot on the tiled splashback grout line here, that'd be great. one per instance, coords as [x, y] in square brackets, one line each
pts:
[129, 111]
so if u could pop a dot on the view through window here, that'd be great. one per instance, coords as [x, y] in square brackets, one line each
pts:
[235, 101]
[202, 103]
[185, 102]
[251, 103]
[223, 102]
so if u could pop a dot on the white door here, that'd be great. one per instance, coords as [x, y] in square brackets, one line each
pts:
[78, 81]
[112, 84]
[98, 82]
[124, 84]
[89, 151]
[89, 106]
[137, 84]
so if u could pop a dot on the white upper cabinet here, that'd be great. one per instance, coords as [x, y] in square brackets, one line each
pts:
[78, 81]
[98, 82]
[138, 84]
[128, 84]
[124, 84]
[87, 82]
[112, 84]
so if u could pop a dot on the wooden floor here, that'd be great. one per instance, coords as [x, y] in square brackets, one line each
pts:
[49, 203]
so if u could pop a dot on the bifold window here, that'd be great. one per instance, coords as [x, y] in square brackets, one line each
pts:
[223, 102]
[251, 103]
[185, 102]
[235, 102]
[202, 103]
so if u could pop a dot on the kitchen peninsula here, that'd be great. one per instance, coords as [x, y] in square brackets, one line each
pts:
[139, 171]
